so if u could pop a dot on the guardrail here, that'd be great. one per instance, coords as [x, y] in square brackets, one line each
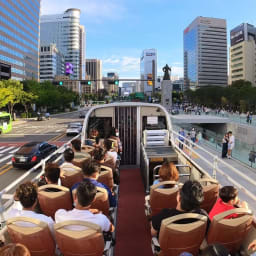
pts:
[4, 193]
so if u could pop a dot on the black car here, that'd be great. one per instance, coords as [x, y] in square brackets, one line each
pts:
[32, 153]
[82, 114]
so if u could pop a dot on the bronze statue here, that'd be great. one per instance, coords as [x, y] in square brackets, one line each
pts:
[166, 70]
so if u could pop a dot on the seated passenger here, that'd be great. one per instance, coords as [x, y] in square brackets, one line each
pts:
[167, 172]
[252, 245]
[76, 147]
[114, 134]
[84, 196]
[91, 173]
[26, 193]
[67, 166]
[51, 176]
[110, 154]
[14, 250]
[228, 200]
[188, 200]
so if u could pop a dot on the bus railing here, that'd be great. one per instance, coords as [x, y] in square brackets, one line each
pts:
[4, 195]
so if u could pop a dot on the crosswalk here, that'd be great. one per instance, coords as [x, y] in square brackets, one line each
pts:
[6, 153]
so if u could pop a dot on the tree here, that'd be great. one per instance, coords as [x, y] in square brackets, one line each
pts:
[5, 96]
[27, 98]
[13, 92]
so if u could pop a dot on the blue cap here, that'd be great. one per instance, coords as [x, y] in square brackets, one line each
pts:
[186, 254]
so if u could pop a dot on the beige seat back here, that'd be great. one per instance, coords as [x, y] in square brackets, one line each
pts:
[37, 239]
[230, 232]
[106, 176]
[71, 178]
[101, 201]
[161, 198]
[50, 201]
[177, 238]
[87, 242]
[79, 162]
[211, 192]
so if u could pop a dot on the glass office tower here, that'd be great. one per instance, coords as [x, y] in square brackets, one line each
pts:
[64, 30]
[19, 37]
[205, 53]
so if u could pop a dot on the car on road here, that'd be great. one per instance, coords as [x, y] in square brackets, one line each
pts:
[32, 153]
[74, 129]
[82, 114]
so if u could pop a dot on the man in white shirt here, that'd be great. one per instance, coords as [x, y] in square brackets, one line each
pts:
[231, 143]
[26, 193]
[67, 166]
[84, 196]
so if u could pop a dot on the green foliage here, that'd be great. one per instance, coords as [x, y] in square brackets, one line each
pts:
[239, 96]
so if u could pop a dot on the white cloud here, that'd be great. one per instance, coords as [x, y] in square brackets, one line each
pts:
[124, 66]
[93, 10]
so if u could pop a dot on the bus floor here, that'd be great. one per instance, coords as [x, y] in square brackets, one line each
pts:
[133, 229]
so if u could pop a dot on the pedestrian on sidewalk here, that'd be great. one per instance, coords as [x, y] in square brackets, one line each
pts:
[181, 137]
[225, 145]
[231, 143]
[193, 135]
[250, 118]
[199, 137]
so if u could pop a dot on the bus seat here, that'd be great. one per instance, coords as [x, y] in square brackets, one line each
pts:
[161, 198]
[80, 161]
[50, 201]
[177, 238]
[37, 238]
[101, 201]
[230, 232]
[106, 176]
[71, 178]
[88, 149]
[86, 242]
[211, 192]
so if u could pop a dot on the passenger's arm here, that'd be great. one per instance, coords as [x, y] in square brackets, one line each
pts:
[153, 231]
[252, 246]
[111, 228]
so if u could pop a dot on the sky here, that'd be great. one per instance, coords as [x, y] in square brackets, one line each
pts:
[118, 30]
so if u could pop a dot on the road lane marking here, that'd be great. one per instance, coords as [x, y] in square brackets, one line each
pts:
[13, 151]
[1, 147]
[2, 151]
[6, 170]
[4, 158]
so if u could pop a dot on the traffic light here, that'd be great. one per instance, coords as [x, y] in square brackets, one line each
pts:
[88, 82]
[116, 82]
[60, 83]
[150, 79]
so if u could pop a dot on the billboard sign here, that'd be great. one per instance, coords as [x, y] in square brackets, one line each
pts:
[237, 35]
[69, 68]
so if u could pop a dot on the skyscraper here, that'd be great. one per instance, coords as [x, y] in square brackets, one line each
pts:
[148, 70]
[243, 53]
[82, 52]
[65, 31]
[19, 37]
[205, 53]
[94, 71]
[51, 62]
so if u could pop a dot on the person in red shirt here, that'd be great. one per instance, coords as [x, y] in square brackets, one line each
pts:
[228, 200]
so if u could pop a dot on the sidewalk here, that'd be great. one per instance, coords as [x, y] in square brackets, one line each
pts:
[228, 173]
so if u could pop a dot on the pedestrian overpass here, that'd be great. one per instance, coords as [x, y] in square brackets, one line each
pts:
[199, 119]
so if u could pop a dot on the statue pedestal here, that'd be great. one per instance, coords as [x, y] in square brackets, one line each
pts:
[167, 94]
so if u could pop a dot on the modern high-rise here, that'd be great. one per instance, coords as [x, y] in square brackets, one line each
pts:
[52, 62]
[148, 70]
[205, 53]
[82, 52]
[94, 71]
[19, 37]
[242, 53]
[65, 31]
[109, 83]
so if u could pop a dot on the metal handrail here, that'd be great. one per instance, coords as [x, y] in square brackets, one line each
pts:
[146, 160]
[3, 193]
